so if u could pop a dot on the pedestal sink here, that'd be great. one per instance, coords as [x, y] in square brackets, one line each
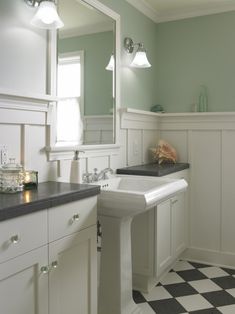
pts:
[121, 198]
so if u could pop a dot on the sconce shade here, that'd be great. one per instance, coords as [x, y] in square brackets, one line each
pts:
[46, 16]
[111, 64]
[140, 60]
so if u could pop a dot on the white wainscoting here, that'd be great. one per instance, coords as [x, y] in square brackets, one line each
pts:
[206, 141]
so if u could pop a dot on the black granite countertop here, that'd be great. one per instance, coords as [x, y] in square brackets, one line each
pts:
[153, 169]
[47, 195]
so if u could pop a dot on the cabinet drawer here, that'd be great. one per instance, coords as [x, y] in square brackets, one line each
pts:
[72, 217]
[22, 234]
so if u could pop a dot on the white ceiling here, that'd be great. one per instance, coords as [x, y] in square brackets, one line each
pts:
[80, 19]
[169, 10]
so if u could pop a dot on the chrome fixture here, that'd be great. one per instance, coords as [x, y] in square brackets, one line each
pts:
[103, 175]
[140, 60]
[46, 16]
[111, 64]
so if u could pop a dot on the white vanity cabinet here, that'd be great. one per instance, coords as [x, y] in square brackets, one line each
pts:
[57, 276]
[159, 236]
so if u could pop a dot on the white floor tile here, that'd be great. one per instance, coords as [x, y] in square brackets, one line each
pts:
[171, 278]
[182, 265]
[204, 285]
[231, 291]
[146, 308]
[213, 272]
[157, 293]
[194, 302]
[227, 309]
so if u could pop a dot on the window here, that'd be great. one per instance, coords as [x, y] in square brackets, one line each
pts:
[70, 92]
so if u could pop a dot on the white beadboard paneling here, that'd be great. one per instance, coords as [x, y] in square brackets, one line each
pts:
[206, 189]
[134, 147]
[139, 119]
[179, 140]
[100, 163]
[10, 135]
[150, 139]
[35, 157]
[228, 192]
[123, 149]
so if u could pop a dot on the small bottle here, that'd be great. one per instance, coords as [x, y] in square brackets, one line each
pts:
[203, 99]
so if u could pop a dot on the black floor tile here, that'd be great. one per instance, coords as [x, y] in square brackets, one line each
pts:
[167, 306]
[229, 270]
[180, 289]
[192, 274]
[219, 298]
[207, 311]
[198, 265]
[227, 282]
[138, 297]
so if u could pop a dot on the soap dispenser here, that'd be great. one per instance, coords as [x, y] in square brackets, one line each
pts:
[75, 173]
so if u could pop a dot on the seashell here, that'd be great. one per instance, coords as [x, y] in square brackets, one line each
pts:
[164, 153]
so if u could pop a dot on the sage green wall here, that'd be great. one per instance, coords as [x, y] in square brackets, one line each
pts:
[97, 81]
[137, 85]
[192, 52]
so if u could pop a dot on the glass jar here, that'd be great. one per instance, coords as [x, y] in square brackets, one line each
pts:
[11, 177]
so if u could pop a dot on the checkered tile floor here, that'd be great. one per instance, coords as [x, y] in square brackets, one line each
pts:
[191, 288]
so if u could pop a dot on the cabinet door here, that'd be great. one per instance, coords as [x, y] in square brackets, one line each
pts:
[163, 236]
[73, 279]
[178, 225]
[23, 287]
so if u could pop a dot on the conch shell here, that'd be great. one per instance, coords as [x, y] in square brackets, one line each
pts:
[164, 153]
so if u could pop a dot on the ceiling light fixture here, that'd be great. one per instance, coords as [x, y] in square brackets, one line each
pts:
[140, 60]
[46, 16]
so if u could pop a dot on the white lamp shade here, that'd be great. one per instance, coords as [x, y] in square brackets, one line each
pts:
[46, 16]
[111, 64]
[140, 60]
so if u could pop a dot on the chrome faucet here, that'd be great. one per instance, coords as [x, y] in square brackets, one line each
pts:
[104, 174]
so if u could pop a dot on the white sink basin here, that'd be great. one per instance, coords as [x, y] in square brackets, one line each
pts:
[121, 198]
[130, 195]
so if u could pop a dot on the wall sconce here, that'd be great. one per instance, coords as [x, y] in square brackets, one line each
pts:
[46, 16]
[111, 64]
[140, 60]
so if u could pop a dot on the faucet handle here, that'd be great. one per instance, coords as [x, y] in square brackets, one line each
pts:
[95, 176]
[87, 177]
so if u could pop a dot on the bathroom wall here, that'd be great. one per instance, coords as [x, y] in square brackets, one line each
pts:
[192, 52]
[137, 85]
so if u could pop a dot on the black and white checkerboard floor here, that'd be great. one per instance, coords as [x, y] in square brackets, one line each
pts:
[191, 288]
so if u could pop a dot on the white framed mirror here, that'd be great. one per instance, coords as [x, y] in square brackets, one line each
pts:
[87, 86]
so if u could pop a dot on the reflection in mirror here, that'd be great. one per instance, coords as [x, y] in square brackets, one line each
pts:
[85, 83]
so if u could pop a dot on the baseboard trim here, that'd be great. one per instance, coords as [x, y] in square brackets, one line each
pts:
[215, 258]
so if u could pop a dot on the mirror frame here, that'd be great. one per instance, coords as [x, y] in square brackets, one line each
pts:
[57, 152]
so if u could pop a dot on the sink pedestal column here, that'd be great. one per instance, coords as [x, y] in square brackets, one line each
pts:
[115, 290]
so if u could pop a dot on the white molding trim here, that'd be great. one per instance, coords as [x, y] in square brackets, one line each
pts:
[139, 119]
[201, 11]
[217, 258]
[198, 121]
[145, 8]
[174, 15]
[12, 94]
[63, 153]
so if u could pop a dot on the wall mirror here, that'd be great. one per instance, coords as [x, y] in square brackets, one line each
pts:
[85, 74]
